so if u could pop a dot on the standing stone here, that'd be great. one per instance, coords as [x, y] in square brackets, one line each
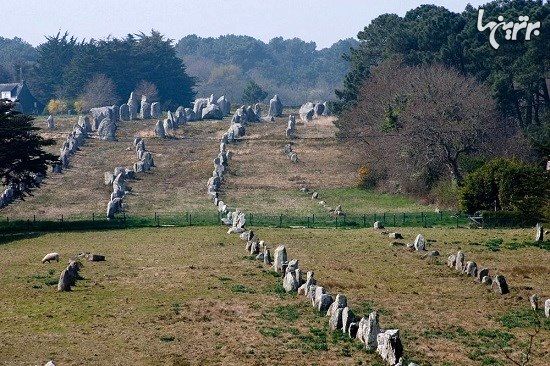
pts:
[325, 300]
[145, 109]
[378, 225]
[198, 105]
[224, 105]
[279, 258]
[352, 331]
[368, 331]
[547, 308]
[339, 303]
[84, 123]
[420, 243]
[124, 112]
[335, 321]
[290, 284]
[482, 273]
[267, 257]
[348, 317]
[326, 111]
[459, 265]
[389, 347]
[534, 300]
[50, 122]
[133, 106]
[486, 280]
[451, 261]
[540, 233]
[212, 111]
[307, 111]
[275, 107]
[318, 109]
[500, 285]
[155, 110]
[159, 130]
[471, 269]
[64, 283]
[106, 130]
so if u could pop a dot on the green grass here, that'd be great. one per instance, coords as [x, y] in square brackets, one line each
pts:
[359, 201]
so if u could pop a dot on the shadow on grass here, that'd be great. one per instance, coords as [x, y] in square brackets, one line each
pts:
[8, 238]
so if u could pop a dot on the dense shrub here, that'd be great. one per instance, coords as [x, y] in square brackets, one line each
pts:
[509, 185]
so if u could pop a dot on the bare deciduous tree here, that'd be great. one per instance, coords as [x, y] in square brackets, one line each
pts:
[148, 89]
[413, 124]
[99, 92]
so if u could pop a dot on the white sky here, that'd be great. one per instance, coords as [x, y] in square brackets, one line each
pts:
[322, 21]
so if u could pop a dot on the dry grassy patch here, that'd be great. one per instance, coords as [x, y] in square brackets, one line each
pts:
[192, 296]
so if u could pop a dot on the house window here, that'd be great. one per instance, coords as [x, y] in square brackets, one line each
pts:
[6, 95]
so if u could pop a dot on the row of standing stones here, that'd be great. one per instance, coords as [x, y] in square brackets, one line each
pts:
[119, 178]
[386, 342]
[470, 268]
[75, 139]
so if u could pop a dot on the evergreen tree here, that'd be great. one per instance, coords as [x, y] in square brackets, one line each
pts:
[21, 148]
[253, 93]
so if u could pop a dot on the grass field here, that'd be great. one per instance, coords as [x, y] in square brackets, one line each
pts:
[190, 296]
[261, 179]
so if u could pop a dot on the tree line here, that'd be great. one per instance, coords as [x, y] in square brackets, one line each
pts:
[430, 103]
[292, 68]
[68, 69]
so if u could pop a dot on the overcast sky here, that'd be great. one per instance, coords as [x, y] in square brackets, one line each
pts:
[322, 21]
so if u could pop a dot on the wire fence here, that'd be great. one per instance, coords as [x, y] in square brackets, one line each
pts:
[184, 219]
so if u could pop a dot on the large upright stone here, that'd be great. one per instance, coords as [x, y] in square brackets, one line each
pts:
[198, 105]
[107, 130]
[326, 111]
[335, 321]
[290, 283]
[368, 330]
[224, 105]
[145, 108]
[318, 109]
[212, 111]
[159, 130]
[124, 112]
[84, 123]
[348, 317]
[459, 263]
[500, 285]
[279, 258]
[540, 233]
[275, 107]
[471, 269]
[547, 308]
[133, 106]
[156, 111]
[339, 303]
[389, 347]
[307, 111]
[420, 243]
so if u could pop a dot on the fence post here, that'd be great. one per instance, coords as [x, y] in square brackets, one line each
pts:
[364, 220]
[190, 221]
[33, 218]
[281, 220]
[394, 220]
[308, 222]
[403, 223]
[457, 221]
[336, 222]
[93, 216]
[313, 219]
[251, 216]
[61, 217]
[384, 219]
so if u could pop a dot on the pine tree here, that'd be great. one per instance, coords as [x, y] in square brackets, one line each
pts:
[21, 149]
